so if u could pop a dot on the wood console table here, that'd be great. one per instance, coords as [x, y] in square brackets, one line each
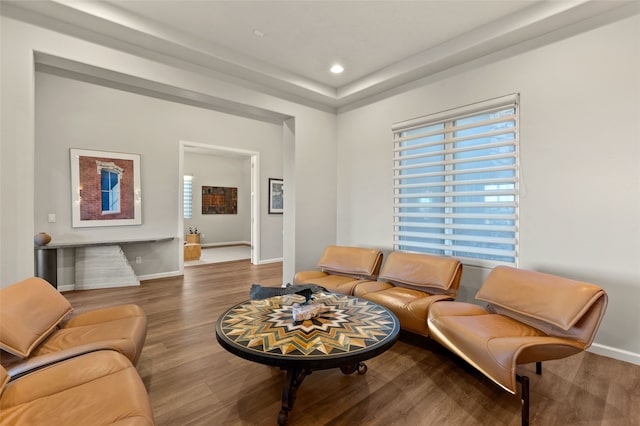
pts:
[99, 264]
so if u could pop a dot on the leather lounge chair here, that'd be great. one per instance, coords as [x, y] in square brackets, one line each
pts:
[410, 283]
[35, 320]
[341, 268]
[529, 317]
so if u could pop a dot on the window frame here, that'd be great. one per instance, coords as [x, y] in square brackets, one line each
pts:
[434, 203]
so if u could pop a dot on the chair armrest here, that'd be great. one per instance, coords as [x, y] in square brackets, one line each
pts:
[41, 361]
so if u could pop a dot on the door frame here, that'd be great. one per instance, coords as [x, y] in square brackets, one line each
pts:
[255, 191]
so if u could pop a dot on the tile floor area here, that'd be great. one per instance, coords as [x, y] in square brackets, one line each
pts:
[221, 254]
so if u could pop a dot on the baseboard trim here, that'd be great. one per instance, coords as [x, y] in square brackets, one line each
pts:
[615, 353]
[67, 287]
[96, 286]
[160, 275]
[275, 260]
[229, 243]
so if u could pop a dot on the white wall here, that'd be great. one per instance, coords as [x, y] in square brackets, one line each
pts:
[580, 165]
[313, 153]
[210, 170]
[75, 114]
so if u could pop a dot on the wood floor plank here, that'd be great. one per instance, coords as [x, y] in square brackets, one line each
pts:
[193, 381]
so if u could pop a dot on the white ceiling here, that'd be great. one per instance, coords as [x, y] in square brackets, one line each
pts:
[383, 45]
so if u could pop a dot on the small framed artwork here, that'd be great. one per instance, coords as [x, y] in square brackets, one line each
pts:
[105, 188]
[276, 196]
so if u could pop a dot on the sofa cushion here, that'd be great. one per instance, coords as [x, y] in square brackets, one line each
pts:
[352, 261]
[409, 305]
[434, 274]
[122, 328]
[29, 311]
[335, 283]
[530, 298]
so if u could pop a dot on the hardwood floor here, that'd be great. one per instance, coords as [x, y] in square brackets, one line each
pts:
[193, 381]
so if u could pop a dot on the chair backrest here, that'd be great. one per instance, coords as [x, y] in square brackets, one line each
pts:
[29, 311]
[556, 306]
[357, 262]
[432, 274]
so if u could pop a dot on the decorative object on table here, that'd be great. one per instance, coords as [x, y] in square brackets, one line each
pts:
[259, 292]
[219, 200]
[105, 188]
[42, 239]
[193, 230]
[302, 312]
[276, 196]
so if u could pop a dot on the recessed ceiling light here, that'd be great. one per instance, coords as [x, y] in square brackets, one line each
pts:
[258, 33]
[337, 69]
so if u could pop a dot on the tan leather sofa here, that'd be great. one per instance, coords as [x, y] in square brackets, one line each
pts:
[410, 283]
[101, 387]
[529, 317]
[341, 268]
[34, 321]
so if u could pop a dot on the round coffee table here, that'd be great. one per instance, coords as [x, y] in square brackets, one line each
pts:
[348, 332]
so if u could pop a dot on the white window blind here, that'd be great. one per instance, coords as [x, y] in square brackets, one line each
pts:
[188, 196]
[456, 183]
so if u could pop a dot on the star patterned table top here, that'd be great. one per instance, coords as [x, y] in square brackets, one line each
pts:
[350, 329]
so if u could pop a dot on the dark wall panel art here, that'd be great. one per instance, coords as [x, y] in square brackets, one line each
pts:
[219, 200]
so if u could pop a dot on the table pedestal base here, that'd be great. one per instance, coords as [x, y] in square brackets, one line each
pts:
[295, 377]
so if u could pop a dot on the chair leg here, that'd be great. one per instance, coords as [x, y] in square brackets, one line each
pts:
[524, 380]
[538, 367]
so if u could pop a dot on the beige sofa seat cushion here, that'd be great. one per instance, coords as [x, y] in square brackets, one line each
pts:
[30, 310]
[122, 328]
[494, 344]
[409, 305]
[366, 287]
[306, 277]
[334, 283]
[356, 262]
[97, 388]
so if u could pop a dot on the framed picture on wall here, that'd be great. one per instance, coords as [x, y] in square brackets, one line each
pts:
[276, 196]
[105, 188]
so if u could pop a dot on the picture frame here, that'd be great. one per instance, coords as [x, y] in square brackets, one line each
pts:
[105, 188]
[276, 196]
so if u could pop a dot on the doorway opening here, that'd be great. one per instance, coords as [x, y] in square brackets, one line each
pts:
[229, 155]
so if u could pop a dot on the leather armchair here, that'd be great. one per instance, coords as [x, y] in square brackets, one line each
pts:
[341, 268]
[410, 283]
[101, 387]
[34, 322]
[529, 317]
